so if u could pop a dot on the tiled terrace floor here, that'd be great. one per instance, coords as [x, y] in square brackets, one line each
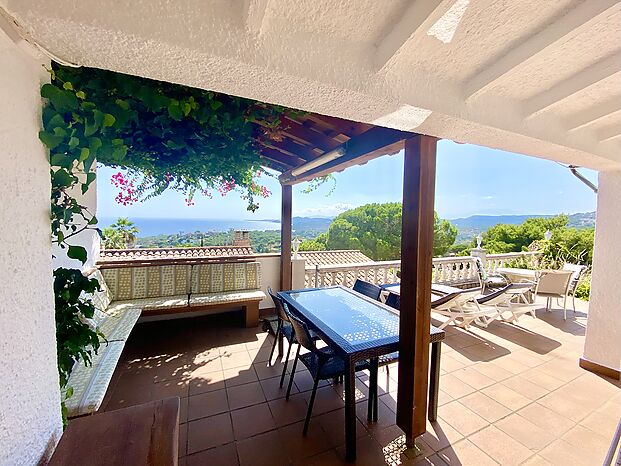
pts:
[510, 394]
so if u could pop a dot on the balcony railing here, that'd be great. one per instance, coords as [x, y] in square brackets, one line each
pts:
[455, 271]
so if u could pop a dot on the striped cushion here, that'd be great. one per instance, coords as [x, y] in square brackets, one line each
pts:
[226, 297]
[148, 282]
[167, 302]
[90, 383]
[101, 299]
[218, 278]
[117, 327]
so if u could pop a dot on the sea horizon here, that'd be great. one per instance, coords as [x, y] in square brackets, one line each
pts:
[171, 226]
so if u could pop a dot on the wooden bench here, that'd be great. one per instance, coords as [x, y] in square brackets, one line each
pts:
[127, 293]
[146, 434]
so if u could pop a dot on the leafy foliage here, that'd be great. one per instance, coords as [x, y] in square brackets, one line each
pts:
[375, 229]
[76, 335]
[166, 135]
[120, 235]
[514, 238]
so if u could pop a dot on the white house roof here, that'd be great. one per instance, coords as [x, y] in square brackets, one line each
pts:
[530, 76]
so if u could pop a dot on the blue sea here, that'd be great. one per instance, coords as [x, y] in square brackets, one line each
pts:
[171, 226]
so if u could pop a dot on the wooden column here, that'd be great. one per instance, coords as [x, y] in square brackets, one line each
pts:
[285, 238]
[416, 256]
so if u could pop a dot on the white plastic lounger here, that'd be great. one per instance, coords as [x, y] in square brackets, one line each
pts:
[510, 298]
[462, 309]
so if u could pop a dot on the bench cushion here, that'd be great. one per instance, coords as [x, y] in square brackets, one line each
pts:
[90, 383]
[222, 277]
[167, 302]
[148, 282]
[229, 297]
[118, 326]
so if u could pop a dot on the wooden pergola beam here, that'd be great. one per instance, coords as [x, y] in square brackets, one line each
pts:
[285, 237]
[368, 145]
[416, 263]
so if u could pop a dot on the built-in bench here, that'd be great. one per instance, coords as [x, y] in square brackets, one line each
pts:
[127, 293]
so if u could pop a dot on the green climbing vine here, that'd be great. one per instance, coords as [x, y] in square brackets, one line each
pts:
[164, 136]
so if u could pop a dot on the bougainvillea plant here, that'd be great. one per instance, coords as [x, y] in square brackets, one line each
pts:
[164, 136]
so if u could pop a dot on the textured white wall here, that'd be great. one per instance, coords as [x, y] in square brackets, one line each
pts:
[30, 423]
[88, 239]
[603, 334]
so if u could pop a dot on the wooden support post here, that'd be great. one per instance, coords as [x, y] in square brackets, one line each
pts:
[416, 257]
[285, 238]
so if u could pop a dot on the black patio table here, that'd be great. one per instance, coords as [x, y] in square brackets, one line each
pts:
[357, 327]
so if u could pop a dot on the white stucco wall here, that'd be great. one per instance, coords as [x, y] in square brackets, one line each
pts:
[89, 238]
[30, 422]
[603, 334]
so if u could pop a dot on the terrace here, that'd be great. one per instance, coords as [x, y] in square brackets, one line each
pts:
[537, 78]
[509, 394]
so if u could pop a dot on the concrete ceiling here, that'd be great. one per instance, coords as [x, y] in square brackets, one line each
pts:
[536, 77]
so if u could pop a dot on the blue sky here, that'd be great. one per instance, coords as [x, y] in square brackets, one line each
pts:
[469, 180]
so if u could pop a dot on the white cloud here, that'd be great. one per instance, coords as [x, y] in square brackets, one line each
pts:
[331, 210]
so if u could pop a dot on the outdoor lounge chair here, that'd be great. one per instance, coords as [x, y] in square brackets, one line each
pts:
[554, 284]
[462, 308]
[489, 280]
[510, 298]
[577, 270]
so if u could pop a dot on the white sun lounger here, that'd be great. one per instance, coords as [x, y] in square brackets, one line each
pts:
[510, 298]
[462, 308]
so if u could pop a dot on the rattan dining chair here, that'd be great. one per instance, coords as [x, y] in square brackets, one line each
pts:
[322, 363]
[285, 329]
[367, 289]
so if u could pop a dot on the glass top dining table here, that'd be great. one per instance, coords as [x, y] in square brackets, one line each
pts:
[357, 328]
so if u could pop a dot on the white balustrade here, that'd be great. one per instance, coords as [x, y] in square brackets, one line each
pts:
[456, 271]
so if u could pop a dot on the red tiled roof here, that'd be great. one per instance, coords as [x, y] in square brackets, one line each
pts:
[333, 257]
[141, 254]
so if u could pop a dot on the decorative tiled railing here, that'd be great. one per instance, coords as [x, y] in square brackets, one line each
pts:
[147, 255]
[456, 271]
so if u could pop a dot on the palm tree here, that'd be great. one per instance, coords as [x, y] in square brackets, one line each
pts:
[122, 233]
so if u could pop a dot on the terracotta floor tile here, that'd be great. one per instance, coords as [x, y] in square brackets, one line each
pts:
[527, 433]
[385, 418]
[506, 396]
[546, 419]
[484, 406]
[586, 439]
[541, 378]
[368, 452]
[262, 450]
[440, 435]
[287, 412]
[464, 420]
[203, 368]
[455, 387]
[473, 377]
[304, 381]
[207, 404]
[275, 370]
[168, 388]
[493, 371]
[209, 432]
[272, 390]
[225, 455]
[207, 382]
[239, 376]
[245, 395]
[326, 399]
[233, 348]
[240, 359]
[562, 453]
[500, 446]
[434, 460]
[252, 420]
[328, 458]
[522, 385]
[464, 453]
[299, 446]
[537, 461]
[333, 423]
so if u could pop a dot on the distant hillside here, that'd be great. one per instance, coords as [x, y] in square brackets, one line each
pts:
[471, 226]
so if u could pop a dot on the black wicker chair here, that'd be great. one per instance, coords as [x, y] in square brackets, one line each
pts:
[367, 289]
[322, 363]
